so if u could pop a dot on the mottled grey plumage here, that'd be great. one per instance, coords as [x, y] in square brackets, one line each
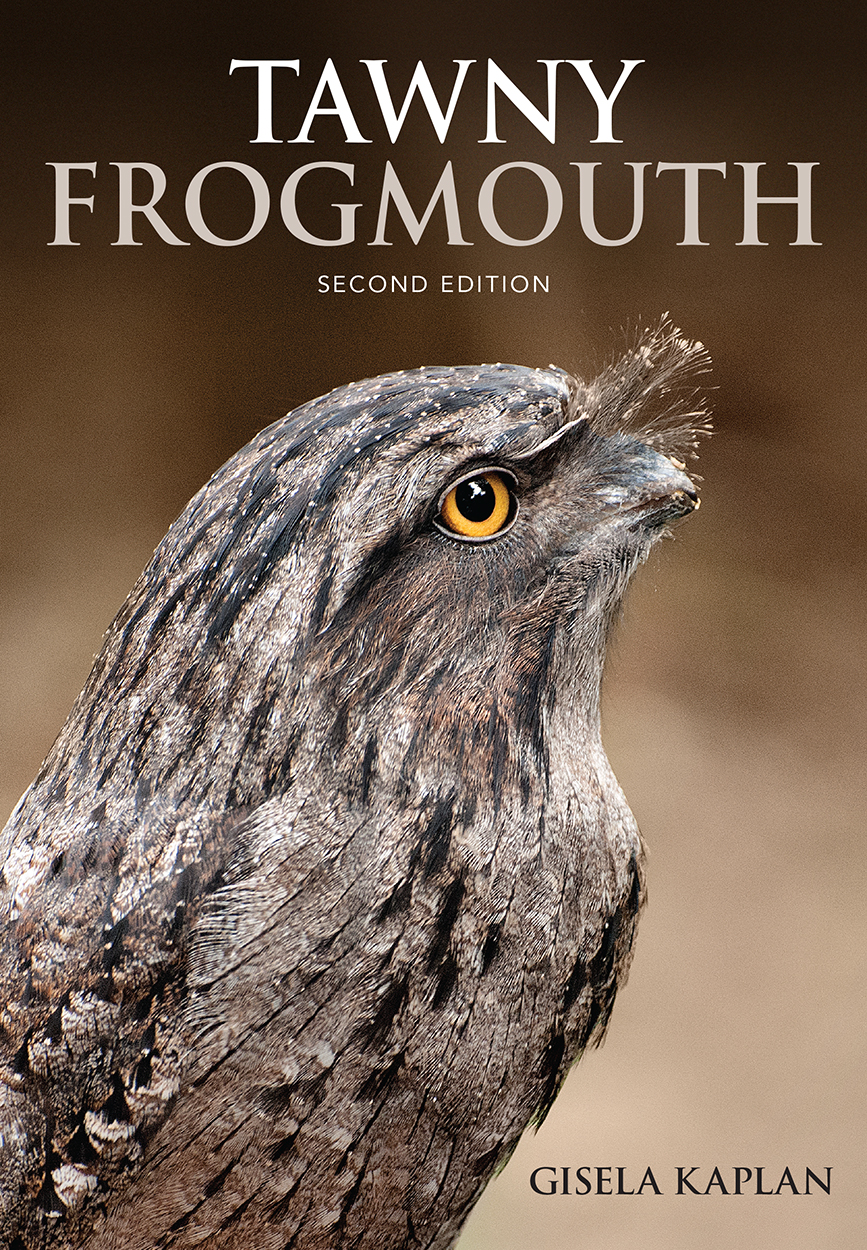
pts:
[327, 881]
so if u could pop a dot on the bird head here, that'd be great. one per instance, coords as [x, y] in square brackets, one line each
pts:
[433, 556]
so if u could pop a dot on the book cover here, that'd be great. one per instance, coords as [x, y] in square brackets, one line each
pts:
[213, 213]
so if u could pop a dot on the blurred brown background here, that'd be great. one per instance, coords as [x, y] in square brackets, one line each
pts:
[735, 712]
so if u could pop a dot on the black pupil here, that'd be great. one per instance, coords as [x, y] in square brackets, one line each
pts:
[475, 499]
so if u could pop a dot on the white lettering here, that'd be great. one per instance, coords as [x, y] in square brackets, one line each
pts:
[752, 200]
[422, 84]
[330, 81]
[126, 208]
[264, 133]
[63, 200]
[289, 210]
[553, 194]
[392, 190]
[585, 202]
[690, 207]
[604, 103]
[261, 204]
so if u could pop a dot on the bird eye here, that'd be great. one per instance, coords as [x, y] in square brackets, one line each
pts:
[478, 507]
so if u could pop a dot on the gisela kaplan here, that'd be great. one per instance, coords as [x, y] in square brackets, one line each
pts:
[694, 1180]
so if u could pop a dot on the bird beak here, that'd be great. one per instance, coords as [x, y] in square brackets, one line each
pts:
[658, 490]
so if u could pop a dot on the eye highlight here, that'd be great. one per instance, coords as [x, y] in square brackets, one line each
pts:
[479, 507]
